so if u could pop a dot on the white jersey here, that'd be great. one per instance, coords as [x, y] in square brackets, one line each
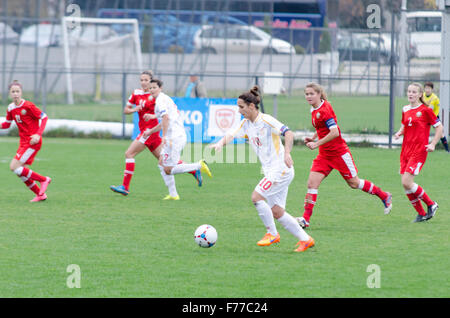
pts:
[165, 105]
[264, 136]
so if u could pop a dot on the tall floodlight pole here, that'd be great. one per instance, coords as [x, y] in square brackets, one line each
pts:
[444, 6]
[403, 49]
[392, 82]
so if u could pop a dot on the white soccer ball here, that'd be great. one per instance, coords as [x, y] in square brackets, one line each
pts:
[205, 235]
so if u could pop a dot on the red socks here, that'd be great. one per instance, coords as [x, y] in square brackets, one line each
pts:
[422, 195]
[416, 203]
[30, 174]
[128, 173]
[415, 195]
[310, 202]
[32, 186]
[29, 177]
[371, 188]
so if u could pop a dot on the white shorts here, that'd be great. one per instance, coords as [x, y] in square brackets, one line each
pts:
[275, 192]
[171, 151]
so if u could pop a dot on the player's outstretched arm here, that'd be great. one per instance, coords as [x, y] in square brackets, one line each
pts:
[128, 109]
[5, 125]
[222, 142]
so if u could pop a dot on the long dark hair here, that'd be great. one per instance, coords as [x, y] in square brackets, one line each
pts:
[253, 96]
[149, 73]
[157, 81]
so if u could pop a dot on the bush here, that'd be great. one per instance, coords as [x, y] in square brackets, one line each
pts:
[65, 132]
[299, 49]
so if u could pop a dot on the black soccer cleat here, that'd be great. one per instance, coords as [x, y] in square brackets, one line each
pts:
[420, 218]
[432, 210]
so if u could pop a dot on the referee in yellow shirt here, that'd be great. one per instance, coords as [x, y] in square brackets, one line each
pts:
[433, 102]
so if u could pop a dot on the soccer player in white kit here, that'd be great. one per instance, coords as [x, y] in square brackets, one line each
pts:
[173, 140]
[269, 197]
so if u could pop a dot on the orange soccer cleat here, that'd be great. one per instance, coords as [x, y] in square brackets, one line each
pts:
[304, 245]
[269, 239]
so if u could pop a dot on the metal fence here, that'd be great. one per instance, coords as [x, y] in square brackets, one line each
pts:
[353, 62]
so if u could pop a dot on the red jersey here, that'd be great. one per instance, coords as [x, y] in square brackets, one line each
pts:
[27, 116]
[146, 100]
[417, 122]
[323, 119]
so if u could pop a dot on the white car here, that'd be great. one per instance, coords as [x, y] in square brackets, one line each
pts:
[47, 35]
[8, 35]
[51, 35]
[238, 39]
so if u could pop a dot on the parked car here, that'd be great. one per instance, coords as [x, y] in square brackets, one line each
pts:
[8, 35]
[47, 35]
[170, 34]
[385, 44]
[51, 34]
[359, 49]
[91, 33]
[238, 39]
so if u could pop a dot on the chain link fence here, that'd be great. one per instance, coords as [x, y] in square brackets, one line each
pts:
[227, 53]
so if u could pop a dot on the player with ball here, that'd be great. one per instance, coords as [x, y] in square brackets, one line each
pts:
[269, 196]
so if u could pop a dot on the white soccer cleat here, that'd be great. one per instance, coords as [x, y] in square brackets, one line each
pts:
[388, 204]
[302, 222]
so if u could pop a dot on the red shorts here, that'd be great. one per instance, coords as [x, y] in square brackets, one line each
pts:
[152, 142]
[413, 163]
[343, 163]
[27, 152]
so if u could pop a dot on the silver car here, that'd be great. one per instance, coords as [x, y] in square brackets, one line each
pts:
[238, 39]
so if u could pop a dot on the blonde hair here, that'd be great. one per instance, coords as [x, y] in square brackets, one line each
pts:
[318, 89]
[420, 87]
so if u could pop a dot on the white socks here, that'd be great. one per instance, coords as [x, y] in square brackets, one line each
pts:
[287, 220]
[185, 167]
[169, 180]
[290, 224]
[265, 213]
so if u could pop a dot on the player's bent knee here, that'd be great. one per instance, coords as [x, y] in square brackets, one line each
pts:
[256, 197]
[277, 211]
[168, 170]
[407, 182]
[129, 154]
[13, 166]
[353, 185]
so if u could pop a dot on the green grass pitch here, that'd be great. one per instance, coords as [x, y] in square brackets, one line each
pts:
[141, 246]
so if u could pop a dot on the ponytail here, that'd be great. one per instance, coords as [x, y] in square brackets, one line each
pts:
[253, 96]
[420, 87]
[14, 83]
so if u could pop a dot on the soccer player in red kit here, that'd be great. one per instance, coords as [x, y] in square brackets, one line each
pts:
[333, 154]
[31, 122]
[142, 102]
[417, 118]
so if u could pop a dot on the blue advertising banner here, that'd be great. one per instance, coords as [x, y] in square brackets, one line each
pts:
[205, 119]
